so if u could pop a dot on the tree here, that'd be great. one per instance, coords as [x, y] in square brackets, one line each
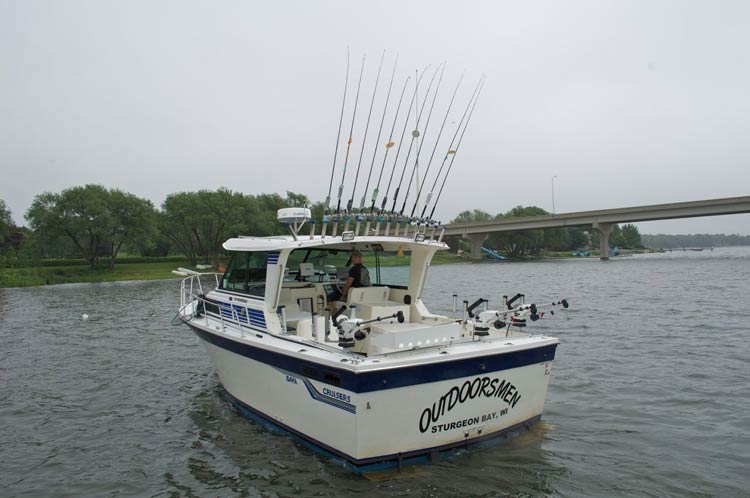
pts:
[96, 220]
[472, 215]
[630, 237]
[6, 222]
[519, 243]
[198, 223]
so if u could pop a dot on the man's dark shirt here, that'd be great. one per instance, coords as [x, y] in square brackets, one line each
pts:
[360, 274]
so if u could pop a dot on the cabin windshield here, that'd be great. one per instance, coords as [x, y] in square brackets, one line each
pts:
[386, 268]
[246, 273]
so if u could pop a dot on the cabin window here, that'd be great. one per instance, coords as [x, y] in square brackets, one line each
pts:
[246, 273]
[321, 265]
[386, 268]
[389, 268]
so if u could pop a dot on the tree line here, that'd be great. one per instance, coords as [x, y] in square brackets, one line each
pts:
[523, 243]
[665, 241]
[97, 225]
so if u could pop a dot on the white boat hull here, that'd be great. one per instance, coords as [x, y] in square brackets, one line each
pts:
[374, 424]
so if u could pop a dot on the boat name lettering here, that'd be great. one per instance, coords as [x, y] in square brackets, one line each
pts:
[470, 389]
[336, 395]
[467, 422]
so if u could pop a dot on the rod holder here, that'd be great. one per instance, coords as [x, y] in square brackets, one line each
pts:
[367, 227]
[314, 325]
[312, 229]
[442, 233]
[455, 303]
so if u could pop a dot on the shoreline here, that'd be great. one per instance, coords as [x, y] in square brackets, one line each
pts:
[37, 276]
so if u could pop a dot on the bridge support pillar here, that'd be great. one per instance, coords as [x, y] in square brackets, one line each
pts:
[605, 230]
[476, 240]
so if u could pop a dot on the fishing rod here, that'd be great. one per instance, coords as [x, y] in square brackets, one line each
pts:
[440, 133]
[388, 146]
[460, 138]
[401, 140]
[351, 131]
[364, 138]
[414, 135]
[338, 134]
[450, 148]
[377, 140]
[421, 143]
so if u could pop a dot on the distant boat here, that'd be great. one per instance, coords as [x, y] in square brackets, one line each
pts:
[493, 254]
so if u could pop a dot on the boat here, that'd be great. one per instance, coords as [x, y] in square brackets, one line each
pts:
[376, 379]
[326, 335]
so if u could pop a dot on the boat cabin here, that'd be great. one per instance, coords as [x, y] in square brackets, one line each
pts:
[299, 285]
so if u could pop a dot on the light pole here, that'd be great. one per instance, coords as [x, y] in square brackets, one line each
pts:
[553, 194]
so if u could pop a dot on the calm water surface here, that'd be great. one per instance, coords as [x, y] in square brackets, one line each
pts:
[649, 396]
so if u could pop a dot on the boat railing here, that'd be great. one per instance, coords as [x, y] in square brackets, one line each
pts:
[193, 303]
[195, 286]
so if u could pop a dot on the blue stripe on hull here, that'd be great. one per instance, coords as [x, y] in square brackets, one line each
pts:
[379, 462]
[364, 382]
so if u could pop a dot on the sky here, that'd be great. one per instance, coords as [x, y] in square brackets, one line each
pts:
[625, 103]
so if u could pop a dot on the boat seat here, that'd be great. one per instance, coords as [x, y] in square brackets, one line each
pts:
[372, 302]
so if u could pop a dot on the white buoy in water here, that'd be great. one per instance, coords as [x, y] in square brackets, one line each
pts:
[85, 316]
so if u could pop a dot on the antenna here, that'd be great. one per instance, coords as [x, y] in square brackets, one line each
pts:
[364, 138]
[377, 140]
[351, 131]
[450, 166]
[450, 147]
[338, 134]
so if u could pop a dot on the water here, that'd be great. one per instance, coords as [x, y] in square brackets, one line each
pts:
[649, 395]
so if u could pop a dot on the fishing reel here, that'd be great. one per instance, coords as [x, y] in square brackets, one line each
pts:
[512, 316]
[351, 329]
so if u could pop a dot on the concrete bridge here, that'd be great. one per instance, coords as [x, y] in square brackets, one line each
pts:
[602, 220]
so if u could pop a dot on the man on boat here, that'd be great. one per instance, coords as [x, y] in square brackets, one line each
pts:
[359, 276]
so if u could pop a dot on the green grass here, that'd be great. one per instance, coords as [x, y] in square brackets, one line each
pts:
[25, 277]
[445, 257]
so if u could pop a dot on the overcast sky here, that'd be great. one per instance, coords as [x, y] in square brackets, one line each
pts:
[627, 102]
